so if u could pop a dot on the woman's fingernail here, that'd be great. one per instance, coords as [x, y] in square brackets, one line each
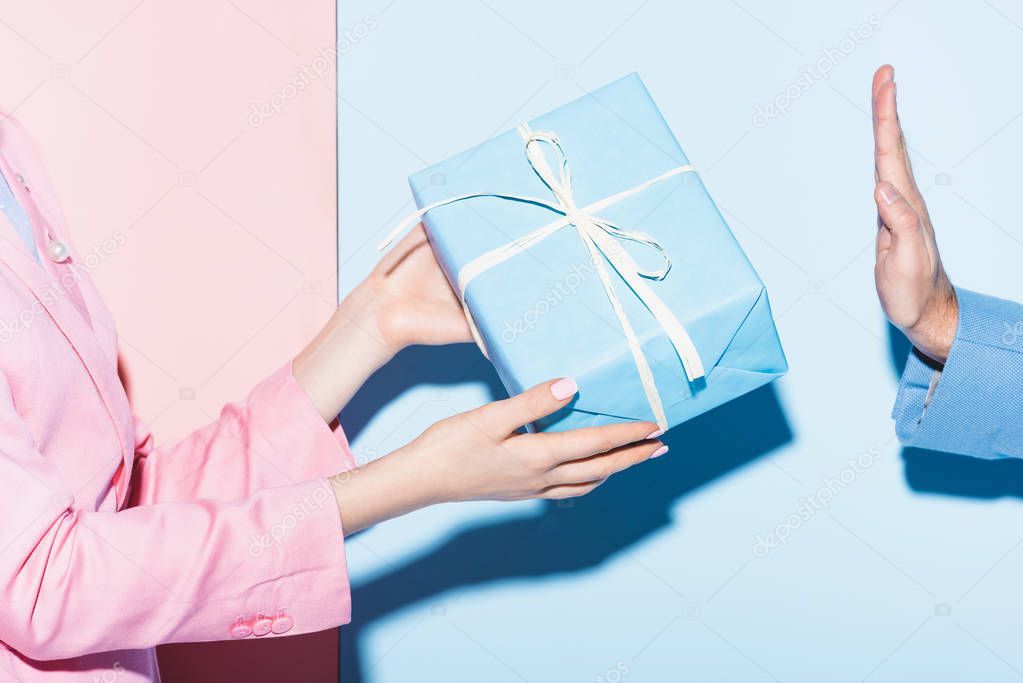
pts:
[654, 435]
[659, 452]
[564, 388]
[889, 193]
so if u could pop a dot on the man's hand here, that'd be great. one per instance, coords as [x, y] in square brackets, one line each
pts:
[914, 290]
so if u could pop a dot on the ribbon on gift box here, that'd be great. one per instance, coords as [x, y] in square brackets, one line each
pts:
[601, 238]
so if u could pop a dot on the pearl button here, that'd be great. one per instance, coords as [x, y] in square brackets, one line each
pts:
[58, 251]
[21, 179]
[262, 625]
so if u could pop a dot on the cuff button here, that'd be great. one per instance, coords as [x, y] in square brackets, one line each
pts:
[283, 623]
[262, 625]
[240, 628]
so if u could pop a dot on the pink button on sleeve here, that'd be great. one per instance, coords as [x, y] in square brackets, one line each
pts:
[262, 625]
[241, 628]
[282, 622]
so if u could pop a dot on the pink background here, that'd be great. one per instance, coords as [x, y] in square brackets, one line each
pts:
[143, 113]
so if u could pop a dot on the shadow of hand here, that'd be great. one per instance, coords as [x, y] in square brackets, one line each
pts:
[567, 536]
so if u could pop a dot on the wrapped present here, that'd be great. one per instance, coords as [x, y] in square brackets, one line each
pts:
[583, 244]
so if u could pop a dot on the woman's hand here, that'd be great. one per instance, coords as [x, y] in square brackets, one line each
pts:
[410, 298]
[914, 290]
[480, 455]
[405, 300]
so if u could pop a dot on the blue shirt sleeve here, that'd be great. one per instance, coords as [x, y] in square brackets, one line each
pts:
[974, 404]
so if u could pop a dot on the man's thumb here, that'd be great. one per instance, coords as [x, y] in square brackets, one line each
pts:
[895, 211]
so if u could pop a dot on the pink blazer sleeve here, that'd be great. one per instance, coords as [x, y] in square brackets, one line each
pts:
[273, 438]
[231, 521]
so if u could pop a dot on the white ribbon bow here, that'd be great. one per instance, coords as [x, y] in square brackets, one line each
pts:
[600, 237]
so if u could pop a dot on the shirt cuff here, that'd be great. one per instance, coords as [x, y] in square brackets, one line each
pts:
[969, 406]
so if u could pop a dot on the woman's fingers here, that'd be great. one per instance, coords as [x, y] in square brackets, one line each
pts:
[603, 465]
[562, 447]
[504, 417]
[570, 490]
[408, 244]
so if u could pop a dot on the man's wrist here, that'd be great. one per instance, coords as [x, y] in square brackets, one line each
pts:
[934, 334]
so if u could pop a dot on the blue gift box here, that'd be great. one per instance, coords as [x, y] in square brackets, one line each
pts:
[542, 310]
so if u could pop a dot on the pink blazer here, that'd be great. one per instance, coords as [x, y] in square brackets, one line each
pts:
[108, 546]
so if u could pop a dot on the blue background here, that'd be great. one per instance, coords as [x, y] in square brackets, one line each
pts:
[910, 572]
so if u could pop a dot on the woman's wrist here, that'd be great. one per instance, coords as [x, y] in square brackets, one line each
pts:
[349, 348]
[383, 489]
